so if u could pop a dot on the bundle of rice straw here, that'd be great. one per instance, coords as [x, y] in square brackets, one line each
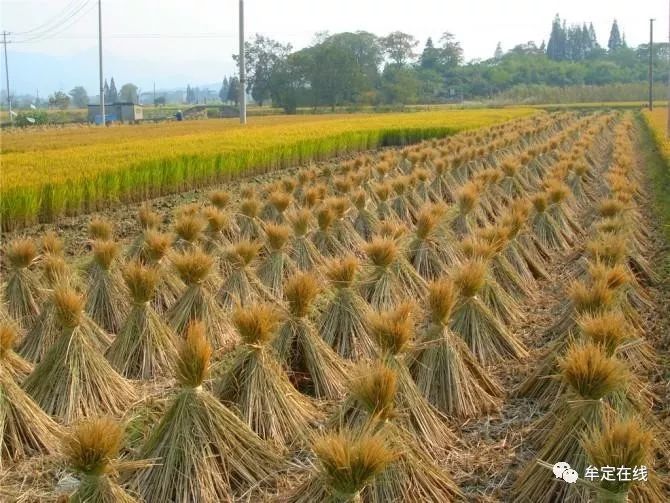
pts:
[467, 199]
[389, 277]
[488, 339]
[624, 443]
[107, 300]
[15, 365]
[427, 251]
[302, 251]
[240, 285]
[256, 384]
[277, 266]
[343, 230]
[248, 218]
[197, 302]
[220, 199]
[444, 369]
[91, 449]
[100, 229]
[343, 323]
[595, 384]
[499, 301]
[549, 233]
[203, 451]
[45, 330]
[346, 463]
[366, 220]
[74, 380]
[25, 430]
[145, 346]
[393, 332]
[275, 208]
[21, 289]
[300, 348]
[382, 193]
[149, 221]
[371, 408]
[170, 286]
[324, 236]
[189, 231]
[216, 235]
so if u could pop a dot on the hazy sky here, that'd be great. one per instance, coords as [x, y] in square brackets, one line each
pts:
[174, 39]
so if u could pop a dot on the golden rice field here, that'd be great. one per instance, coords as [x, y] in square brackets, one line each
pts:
[478, 318]
[52, 172]
[657, 121]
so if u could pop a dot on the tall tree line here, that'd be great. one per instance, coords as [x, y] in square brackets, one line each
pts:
[361, 68]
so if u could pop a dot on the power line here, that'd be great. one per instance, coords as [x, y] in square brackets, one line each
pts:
[65, 24]
[55, 21]
[139, 36]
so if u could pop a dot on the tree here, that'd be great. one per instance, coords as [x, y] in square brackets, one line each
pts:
[106, 91]
[593, 39]
[615, 41]
[556, 48]
[223, 92]
[160, 101]
[288, 82]
[498, 54]
[112, 95]
[234, 90]
[400, 85]
[451, 52]
[59, 100]
[399, 47]
[262, 55]
[128, 93]
[79, 97]
[430, 56]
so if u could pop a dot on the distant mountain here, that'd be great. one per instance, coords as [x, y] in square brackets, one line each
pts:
[30, 72]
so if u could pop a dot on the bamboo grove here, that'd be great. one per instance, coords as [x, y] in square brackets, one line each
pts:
[327, 336]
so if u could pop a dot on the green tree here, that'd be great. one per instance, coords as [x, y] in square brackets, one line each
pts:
[79, 97]
[112, 95]
[234, 90]
[430, 57]
[288, 82]
[159, 101]
[556, 47]
[223, 92]
[498, 54]
[399, 47]
[261, 56]
[128, 93]
[451, 52]
[400, 85]
[59, 100]
[614, 41]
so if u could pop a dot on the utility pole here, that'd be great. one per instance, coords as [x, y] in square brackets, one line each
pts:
[651, 63]
[668, 104]
[102, 88]
[243, 72]
[9, 97]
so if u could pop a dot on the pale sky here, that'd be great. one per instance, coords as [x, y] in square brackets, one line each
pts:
[147, 40]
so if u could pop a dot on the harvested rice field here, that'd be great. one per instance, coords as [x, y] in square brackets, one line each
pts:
[472, 318]
[54, 172]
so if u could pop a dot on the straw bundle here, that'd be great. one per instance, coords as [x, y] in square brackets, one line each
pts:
[204, 452]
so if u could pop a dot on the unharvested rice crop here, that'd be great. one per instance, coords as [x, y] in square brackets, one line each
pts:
[440, 322]
[49, 173]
